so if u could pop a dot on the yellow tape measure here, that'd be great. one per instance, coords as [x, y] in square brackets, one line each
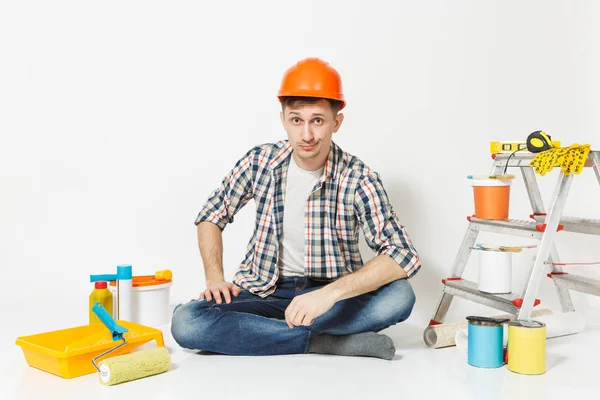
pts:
[539, 141]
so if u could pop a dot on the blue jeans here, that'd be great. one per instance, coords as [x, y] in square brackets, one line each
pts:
[251, 325]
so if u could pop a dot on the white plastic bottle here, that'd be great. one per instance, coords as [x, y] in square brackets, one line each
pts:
[125, 293]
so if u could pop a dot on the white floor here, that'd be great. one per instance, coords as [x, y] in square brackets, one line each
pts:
[416, 371]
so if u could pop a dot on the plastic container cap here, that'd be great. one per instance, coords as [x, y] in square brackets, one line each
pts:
[144, 280]
[100, 285]
[527, 324]
[486, 321]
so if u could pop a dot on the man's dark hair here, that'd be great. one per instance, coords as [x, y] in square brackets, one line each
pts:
[294, 101]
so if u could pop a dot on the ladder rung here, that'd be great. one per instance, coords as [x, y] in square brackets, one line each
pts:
[469, 290]
[523, 159]
[577, 282]
[573, 224]
[515, 227]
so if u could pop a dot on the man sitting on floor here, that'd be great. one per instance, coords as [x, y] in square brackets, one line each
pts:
[302, 287]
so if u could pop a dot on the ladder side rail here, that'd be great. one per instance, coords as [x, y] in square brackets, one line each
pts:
[458, 267]
[559, 199]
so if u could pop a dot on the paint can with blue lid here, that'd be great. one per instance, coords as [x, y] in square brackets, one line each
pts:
[485, 343]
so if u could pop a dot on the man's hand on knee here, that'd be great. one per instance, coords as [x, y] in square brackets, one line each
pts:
[214, 289]
[303, 309]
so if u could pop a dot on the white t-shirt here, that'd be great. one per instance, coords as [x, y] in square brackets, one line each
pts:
[299, 186]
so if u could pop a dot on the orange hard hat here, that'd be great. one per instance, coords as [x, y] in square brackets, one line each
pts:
[312, 77]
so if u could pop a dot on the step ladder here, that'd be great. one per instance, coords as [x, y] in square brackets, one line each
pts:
[543, 227]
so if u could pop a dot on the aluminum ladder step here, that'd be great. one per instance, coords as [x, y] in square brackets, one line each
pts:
[577, 282]
[572, 224]
[510, 302]
[516, 227]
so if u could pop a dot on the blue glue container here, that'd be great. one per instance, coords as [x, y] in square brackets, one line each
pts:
[485, 343]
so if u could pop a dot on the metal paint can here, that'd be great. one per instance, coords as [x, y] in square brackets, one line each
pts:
[485, 343]
[495, 271]
[527, 347]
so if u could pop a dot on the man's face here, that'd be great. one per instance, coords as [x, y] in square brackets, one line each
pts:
[310, 128]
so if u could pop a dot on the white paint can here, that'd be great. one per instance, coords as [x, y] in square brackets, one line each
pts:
[495, 271]
[149, 300]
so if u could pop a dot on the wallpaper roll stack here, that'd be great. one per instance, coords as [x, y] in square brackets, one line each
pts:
[561, 324]
[444, 335]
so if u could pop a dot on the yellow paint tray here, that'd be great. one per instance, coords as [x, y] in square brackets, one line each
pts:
[68, 352]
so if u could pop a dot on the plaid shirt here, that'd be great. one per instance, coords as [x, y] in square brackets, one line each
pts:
[349, 195]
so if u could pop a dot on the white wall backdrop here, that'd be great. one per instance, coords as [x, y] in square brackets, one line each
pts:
[117, 119]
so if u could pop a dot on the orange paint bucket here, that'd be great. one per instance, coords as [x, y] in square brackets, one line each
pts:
[491, 198]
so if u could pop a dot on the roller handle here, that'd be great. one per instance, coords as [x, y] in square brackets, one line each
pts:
[116, 329]
[104, 277]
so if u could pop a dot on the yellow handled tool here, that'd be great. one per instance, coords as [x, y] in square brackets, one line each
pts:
[512, 249]
[498, 177]
[539, 141]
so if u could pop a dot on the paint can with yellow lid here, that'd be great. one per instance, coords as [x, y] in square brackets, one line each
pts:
[526, 347]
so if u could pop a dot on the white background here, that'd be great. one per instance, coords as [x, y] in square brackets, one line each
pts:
[117, 119]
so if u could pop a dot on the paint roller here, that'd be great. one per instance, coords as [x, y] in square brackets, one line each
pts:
[127, 367]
